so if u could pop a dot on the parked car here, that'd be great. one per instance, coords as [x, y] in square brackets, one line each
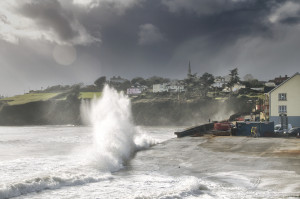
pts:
[278, 129]
[294, 131]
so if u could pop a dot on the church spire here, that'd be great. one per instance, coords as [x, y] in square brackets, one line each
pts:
[190, 71]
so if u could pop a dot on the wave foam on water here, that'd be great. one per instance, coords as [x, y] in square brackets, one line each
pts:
[49, 182]
[115, 137]
[168, 187]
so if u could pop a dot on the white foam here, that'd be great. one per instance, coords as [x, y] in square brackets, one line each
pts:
[169, 187]
[48, 182]
[115, 137]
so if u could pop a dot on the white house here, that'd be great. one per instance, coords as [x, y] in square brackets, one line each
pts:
[219, 82]
[168, 87]
[285, 99]
[175, 87]
[270, 84]
[134, 91]
[158, 88]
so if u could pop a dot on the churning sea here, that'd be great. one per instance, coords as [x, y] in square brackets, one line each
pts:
[113, 158]
[58, 162]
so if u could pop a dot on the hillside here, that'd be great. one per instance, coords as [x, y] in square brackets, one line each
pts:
[148, 109]
[34, 97]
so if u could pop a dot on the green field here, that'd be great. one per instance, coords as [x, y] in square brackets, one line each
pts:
[89, 95]
[29, 97]
[33, 97]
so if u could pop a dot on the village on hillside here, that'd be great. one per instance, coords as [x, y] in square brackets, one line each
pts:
[268, 100]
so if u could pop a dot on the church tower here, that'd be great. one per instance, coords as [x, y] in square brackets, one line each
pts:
[190, 71]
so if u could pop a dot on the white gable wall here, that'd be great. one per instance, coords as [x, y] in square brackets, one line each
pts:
[292, 89]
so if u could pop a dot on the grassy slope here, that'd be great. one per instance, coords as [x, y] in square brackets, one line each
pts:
[29, 97]
[32, 97]
[89, 95]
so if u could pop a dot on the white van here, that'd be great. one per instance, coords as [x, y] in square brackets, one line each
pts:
[278, 128]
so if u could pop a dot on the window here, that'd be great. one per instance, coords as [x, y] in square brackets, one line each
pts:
[282, 96]
[282, 109]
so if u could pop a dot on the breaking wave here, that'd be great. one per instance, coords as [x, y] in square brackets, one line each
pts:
[115, 140]
[49, 182]
[115, 137]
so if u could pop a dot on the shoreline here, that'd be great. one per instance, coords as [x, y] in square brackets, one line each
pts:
[274, 162]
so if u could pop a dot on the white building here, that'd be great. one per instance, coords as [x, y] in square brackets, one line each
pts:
[159, 88]
[219, 82]
[270, 84]
[284, 99]
[165, 87]
[175, 88]
[134, 91]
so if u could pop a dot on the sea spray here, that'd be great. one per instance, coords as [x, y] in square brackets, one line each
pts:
[115, 136]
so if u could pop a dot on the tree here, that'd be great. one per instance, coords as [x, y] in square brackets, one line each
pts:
[254, 84]
[73, 97]
[234, 78]
[138, 80]
[192, 84]
[124, 86]
[206, 81]
[100, 82]
[156, 80]
[248, 77]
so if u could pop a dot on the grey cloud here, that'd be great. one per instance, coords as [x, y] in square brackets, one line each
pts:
[290, 20]
[149, 34]
[203, 7]
[118, 6]
[215, 35]
[50, 14]
[3, 18]
[287, 12]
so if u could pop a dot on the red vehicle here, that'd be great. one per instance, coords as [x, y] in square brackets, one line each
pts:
[222, 126]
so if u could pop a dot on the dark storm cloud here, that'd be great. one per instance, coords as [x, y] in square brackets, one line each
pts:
[290, 20]
[204, 7]
[206, 33]
[50, 14]
[160, 37]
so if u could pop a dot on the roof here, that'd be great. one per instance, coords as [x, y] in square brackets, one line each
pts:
[283, 83]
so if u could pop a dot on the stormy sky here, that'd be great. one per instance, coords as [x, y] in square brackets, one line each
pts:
[49, 42]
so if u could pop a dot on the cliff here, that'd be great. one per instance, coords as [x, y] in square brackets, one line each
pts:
[145, 111]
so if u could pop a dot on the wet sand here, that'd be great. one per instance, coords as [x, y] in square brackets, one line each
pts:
[258, 164]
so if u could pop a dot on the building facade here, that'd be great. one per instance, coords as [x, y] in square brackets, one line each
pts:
[285, 100]
[219, 82]
[159, 88]
[134, 91]
[168, 87]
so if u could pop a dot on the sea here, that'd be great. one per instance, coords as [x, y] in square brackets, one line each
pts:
[111, 157]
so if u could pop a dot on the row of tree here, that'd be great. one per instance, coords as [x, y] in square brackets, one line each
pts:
[122, 86]
[194, 84]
